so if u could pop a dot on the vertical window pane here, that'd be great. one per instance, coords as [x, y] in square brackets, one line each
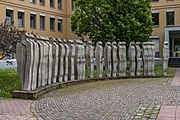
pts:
[32, 21]
[73, 5]
[20, 19]
[60, 4]
[60, 25]
[52, 24]
[41, 2]
[52, 3]
[9, 17]
[155, 18]
[42, 22]
[170, 18]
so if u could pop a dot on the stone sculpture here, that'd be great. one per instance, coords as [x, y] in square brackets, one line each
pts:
[26, 84]
[66, 46]
[114, 59]
[35, 62]
[138, 57]
[122, 59]
[165, 57]
[82, 67]
[50, 61]
[99, 58]
[90, 59]
[132, 62]
[149, 58]
[76, 59]
[71, 60]
[153, 58]
[62, 53]
[43, 61]
[107, 59]
[55, 61]
[145, 58]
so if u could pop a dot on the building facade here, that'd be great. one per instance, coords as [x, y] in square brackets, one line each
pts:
[43, 17]
[52, 18]
[166, 18]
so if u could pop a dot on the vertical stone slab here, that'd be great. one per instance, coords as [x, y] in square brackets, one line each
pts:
[50, 61]
[132, 58]
[124, 58]
[120, 59]
[122, 64]
[99, 58]
[149, 57]
[71, 60]
[83, 60]
[45, 62]
[90, 59]
[66, 60]
[165, 57]
[77, 60]
[40, 64]
[153, 58]
[35, 63]
[55, 60]
[21, 60]
[61, 60]
[139, 61]
[27, 82]
[145, 58]
[107, 59]
[114, 59]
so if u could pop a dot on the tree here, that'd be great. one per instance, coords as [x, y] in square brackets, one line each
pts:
[113, 20]
[9, 36]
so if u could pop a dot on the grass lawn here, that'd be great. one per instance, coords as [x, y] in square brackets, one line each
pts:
[9, 81]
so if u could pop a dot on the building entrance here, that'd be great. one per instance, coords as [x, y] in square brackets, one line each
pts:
[174, 44]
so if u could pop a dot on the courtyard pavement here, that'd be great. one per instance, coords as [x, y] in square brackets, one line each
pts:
[137, 99]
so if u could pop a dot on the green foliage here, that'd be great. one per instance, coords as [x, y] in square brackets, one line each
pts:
[9, 81]
[113, 20]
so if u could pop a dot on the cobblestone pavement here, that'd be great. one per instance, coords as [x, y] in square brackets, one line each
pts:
[137, 99]
[15, 109]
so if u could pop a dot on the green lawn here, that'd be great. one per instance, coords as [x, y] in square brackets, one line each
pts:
[9, 81]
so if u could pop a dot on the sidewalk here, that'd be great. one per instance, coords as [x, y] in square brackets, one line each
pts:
[15, 109]
[171, 112]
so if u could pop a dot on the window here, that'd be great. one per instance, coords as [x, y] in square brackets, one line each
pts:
[156, 41]
[32, 20]
[52, 19]
[73, 5]
[41, 2]
[20, 19]
[32, 1]
[52, 3]
[155, 19]
[42, 22]
[59, 4]
[170, 18]
[60, 25]
[9, 17]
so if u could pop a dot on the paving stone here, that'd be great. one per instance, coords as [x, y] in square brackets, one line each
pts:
[115, 99]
